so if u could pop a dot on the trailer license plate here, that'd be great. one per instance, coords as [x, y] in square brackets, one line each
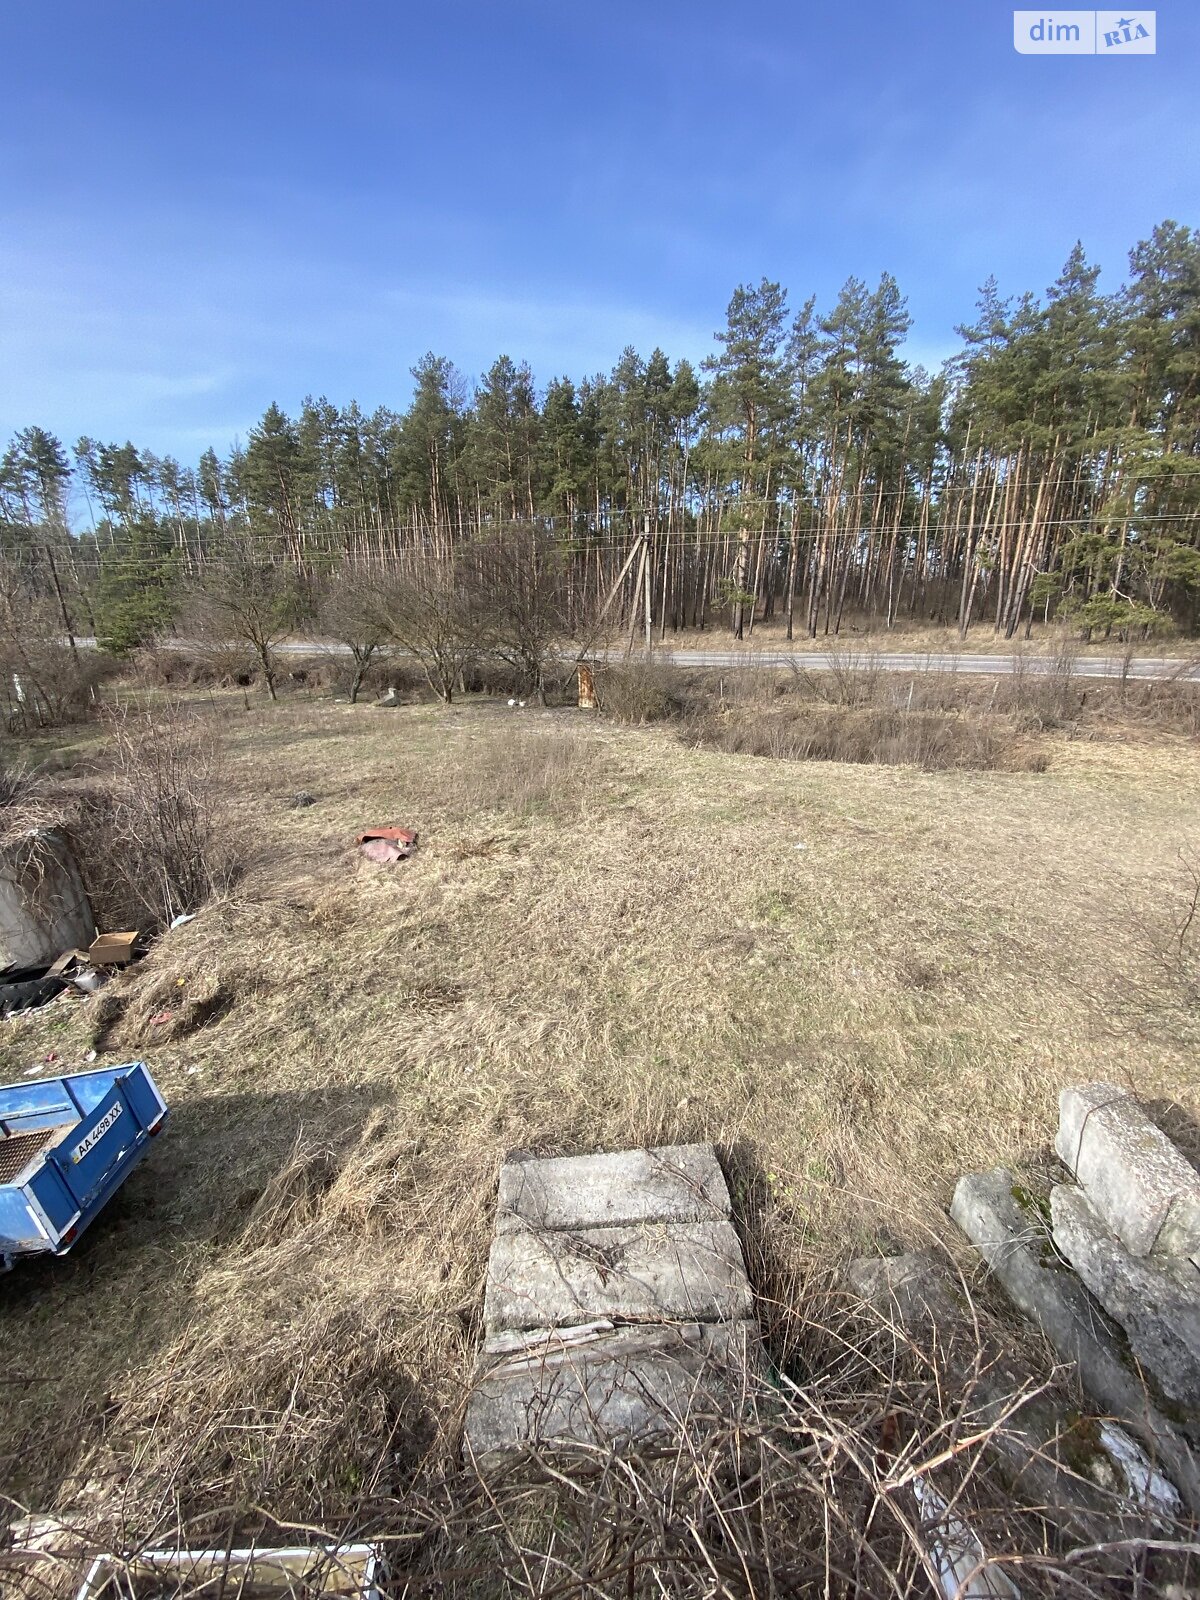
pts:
[97, 1133]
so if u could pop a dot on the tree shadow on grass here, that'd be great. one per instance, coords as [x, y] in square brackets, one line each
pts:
[73, 1328]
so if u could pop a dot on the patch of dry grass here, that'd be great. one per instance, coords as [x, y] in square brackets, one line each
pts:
[920, 634]
[858, 981]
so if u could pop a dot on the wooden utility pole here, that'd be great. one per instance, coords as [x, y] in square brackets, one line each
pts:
[742, 573]
[637, 589]
[649, 570]
[62, 606]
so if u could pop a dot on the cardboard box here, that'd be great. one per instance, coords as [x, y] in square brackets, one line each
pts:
[112, 949]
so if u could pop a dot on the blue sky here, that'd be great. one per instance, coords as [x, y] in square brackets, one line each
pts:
[207, 206]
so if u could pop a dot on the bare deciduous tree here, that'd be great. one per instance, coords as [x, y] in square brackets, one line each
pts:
[249, 597]
[42, 681]
[157, 835]
[523, 574]
[351, 614]
[435, 611]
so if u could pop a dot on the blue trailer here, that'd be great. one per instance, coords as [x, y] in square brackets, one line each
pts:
[66, 1147]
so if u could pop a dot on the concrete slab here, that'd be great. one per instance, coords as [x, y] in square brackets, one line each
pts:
[1142, 1186]
[1015, 1243]
[1156, 1299]
[608, 1386]
[677, 1183]
[669, 1271]
[1056, 1456]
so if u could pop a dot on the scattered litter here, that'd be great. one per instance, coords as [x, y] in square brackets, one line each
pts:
[51, 1058]
[385, 845]
[24, 991]
[27, 990]
[191, 1071]
[112, 949]
[33, 1071]
[800, 846]
[12, 1013]
[90, 1056]
[957, 1555]
[76, 967]
[160, 1019]
[184, 917]
[299, 800]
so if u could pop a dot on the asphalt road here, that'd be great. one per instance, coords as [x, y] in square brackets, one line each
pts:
[1147, 667]
[1160, 668]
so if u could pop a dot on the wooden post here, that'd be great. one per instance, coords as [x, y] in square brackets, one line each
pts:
[741, 579]
[649, 568]
[62, 606]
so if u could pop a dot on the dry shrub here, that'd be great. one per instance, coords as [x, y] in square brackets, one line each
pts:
[891, 736]
[220, 665]
[852, 677]
[26, 802]
[1165, 920]
[1170, 705]
[232, 666]
[43, 685]
[857, 711]
[1045, 689]
[814, 1491]
[385, 673]
[494, 676]
[157, 837]
[641, 692]
[284, 1414]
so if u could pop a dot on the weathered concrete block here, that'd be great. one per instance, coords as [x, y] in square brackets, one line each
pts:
[1142, 1186]
[1016, 1245]
[1156, 1299]
[609, 1386]
[915, 1287]
[676, 1183]
[1055, 1457]
[669, 1271]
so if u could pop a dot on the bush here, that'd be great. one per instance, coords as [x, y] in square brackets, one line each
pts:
[884, 734]
[219, 666]
[1046, 690]
[156, 838]
[856, 712]
[641, 692]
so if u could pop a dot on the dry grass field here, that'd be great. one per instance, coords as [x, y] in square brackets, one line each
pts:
[859, 980]
[919, 634]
